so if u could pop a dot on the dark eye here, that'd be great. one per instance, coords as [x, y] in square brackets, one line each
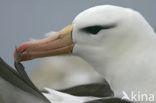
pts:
[95, 29]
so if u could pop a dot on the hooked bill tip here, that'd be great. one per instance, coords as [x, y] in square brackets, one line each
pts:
[19, 50]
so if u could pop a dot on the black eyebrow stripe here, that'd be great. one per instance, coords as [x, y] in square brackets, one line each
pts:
[108, 26]
[96, 28]
[101, 26]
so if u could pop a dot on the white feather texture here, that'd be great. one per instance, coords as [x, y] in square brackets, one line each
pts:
[32, 39]
[124, 55]
[45, 35]
[49, 34]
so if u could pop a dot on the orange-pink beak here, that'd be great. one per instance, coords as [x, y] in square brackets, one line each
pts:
[57, 44]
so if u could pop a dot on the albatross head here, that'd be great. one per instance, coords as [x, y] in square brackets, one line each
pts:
[101, 35]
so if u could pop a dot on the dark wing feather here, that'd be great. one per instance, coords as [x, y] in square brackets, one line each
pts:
[94, 89]
[15, 78]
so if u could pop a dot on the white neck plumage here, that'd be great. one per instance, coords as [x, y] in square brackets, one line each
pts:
[128, 63]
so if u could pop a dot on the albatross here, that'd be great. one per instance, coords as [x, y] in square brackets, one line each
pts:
[117, 42]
